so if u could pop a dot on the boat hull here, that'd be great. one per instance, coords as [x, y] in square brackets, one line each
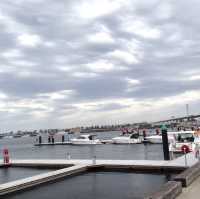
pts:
[126, 141]
[87, 142]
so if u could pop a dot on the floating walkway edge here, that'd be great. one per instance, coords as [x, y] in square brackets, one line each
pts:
[40, 179]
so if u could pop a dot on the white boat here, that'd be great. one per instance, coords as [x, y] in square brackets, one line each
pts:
[185, 141]
[127, 139]
[85, 139]
[157, 139]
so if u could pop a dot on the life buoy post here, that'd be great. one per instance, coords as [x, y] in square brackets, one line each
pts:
[185, 149]
[6, 157]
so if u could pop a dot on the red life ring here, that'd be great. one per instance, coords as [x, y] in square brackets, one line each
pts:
[185, 149]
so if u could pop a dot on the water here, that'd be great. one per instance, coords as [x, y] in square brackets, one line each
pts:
[16, 173]
[100, 185]
[23, 148]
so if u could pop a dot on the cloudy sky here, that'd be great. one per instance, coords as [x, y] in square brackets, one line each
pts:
[65, 63]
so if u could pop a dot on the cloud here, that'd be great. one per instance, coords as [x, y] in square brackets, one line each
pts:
[29, 40]
[123, 56]
[122, 59]
[93, 9]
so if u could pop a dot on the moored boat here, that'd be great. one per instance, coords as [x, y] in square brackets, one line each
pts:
[185, 141]
[133, 138]
[157, 139]
[85, 139]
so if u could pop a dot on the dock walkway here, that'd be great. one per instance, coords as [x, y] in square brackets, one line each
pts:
[182, 161]
[71, 167]
[192, 191]
[41, 178]
[55, 143]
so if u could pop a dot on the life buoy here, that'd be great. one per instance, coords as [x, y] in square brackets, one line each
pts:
[185, 149]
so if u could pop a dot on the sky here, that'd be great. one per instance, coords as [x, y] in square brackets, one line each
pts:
[68, 63]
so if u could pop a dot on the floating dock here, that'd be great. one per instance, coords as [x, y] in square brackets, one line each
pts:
[50, 143]
[68, 143]
[70, 167]
[184, 161]
[40, 179]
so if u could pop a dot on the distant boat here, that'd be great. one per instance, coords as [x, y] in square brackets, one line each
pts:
[1, 136]
[17, 135]
[86, 139]
[33, 134]
[127, 139]
[8, 136]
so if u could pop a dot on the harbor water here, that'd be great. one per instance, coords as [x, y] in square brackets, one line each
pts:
[99, 185]
[15, 173]
[23, 148]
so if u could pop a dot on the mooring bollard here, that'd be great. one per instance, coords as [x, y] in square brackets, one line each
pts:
[94, 160]
[52, 140]
[40, 139]
[165, 143]
[144, 134]
[63, 138]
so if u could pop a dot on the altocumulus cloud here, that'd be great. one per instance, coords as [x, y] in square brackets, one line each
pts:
[67, 63]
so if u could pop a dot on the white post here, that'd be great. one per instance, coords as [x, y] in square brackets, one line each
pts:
[68, 156]
[185, 154]
[171, 155]
[94, 160]
[197, 155]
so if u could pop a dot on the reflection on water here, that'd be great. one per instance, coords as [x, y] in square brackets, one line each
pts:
[100, 185]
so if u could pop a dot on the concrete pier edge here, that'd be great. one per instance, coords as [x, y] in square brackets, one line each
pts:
[169, 190]
[189, 175]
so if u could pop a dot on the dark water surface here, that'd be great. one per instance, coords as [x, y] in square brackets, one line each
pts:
[23, 148]
[100, 185]
[16, 173]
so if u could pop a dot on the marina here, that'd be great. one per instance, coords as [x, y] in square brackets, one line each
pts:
[99, 99]
[65, 163]
[59, 162]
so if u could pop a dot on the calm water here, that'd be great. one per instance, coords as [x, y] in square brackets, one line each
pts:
[15, 173]
[23, 148]
[100, 185]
